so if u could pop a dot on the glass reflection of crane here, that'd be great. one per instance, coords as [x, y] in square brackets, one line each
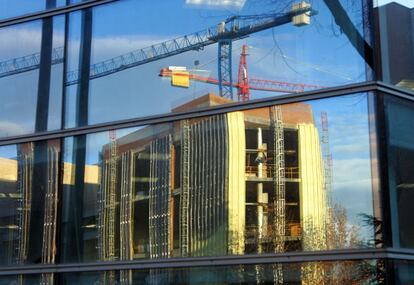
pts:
[224, 34]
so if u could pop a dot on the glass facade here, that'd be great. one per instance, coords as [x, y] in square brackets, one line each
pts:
[256, 181]
[31, 76]
[29, 197]
[206, 142]
[17, 8]
[301, 57]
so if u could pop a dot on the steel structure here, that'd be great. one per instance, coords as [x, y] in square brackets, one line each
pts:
[106, 196]
[24, 186]
[50, 215]
[243, 90]
[159, 197]
[185, 188]
[126, 208]
[326, 153]
[252, 84]
[232, 29]
[224, 68]
[279, 185]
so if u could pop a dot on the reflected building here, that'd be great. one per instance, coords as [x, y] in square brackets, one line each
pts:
[237, 183]
[242, 182]
[29, 200]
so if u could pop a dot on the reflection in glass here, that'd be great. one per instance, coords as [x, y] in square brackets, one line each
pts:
[299, 53]
[31, 76]
[404, 272]
[28, 203]
[255, 181]
[21, 280]
[15, 8]
[400, 120]
[339, 272]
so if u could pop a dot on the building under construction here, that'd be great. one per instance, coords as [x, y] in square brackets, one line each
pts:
[230, 184]
[242, 182]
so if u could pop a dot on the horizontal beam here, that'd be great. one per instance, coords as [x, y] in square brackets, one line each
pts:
[209, 111]
[52, 12]
[288, 257]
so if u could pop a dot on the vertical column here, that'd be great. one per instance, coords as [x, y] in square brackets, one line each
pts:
[73, 250]
[225, 68]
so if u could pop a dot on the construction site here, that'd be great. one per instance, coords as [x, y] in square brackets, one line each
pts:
[238, 183]
[247, 182]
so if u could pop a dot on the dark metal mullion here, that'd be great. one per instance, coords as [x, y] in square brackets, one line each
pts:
[82, 98]
[62, 145]
[65, 68]
[53, 12]
[343, 20]
[43, 90]
[73, 249]
[376, 41]
[369, 30]
[40, 148]
[383, 162]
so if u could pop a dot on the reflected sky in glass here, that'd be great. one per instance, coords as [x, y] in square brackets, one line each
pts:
[407, 3]
[317, 54]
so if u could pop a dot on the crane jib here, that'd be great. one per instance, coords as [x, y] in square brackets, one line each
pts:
[235, 28]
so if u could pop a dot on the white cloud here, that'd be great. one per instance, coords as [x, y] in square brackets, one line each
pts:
[18, 42]
[217, 3]
[108, 47]
[11, 129]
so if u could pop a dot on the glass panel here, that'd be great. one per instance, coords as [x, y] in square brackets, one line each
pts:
[400, 120]
[397, 41]
[15, 8]
[19, 91]
[339, 272]
[23, 279]
[27, 58]
[265, 180]
[293, 56]
[28, 202]
[404, 272]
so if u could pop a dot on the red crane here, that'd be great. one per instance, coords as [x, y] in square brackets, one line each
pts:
[244, 84]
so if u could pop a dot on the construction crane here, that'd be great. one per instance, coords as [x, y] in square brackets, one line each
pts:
[244, 84]
[224, 34]
[326, 153]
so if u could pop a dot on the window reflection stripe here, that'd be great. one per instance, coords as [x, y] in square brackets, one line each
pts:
[283, 99]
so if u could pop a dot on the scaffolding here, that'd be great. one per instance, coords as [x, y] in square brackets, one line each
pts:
[126, 214]
[326, 154]
[279, 185]
[49, 228]
[106, 197]
[207, 187]
[112, 197]
[24, 188]
[50, 214]
[184, 198]
[160, 197]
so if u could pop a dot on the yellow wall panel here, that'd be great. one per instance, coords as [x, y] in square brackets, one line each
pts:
[236, 182]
